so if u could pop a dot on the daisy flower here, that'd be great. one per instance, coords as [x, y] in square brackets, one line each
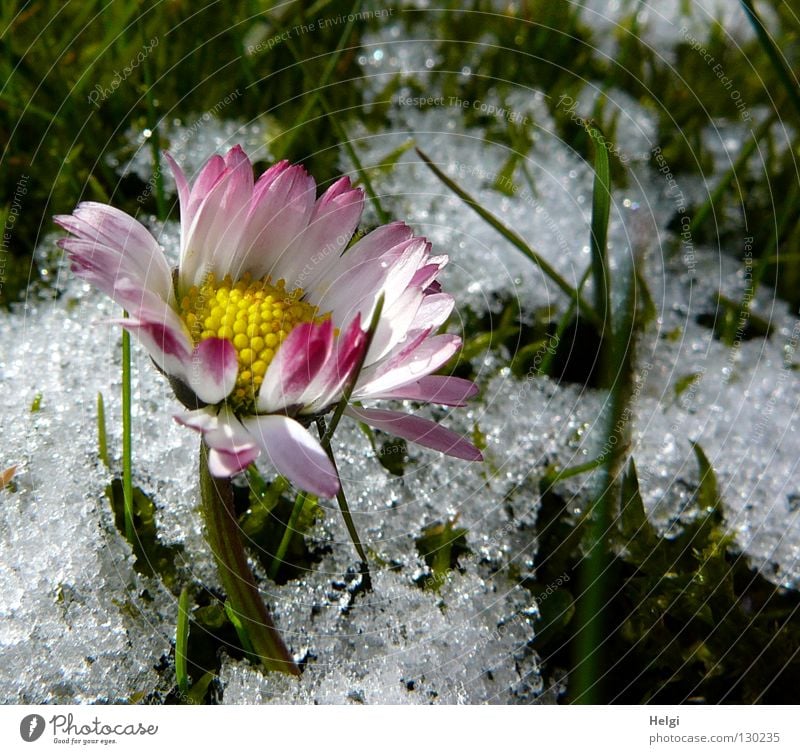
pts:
[263, 326]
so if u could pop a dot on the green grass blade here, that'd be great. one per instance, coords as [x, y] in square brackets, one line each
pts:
[601, 211]
[127, 437]
[595, 576]
[776, 58]
[288, 533]
[563, 323]
[736, 169]
[182, 642]
[516, 241]
[102, 438]
[314, 87]
[155, 141]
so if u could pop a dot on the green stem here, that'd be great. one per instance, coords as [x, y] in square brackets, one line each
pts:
[341, 498]
[127, 438]
[222, 535]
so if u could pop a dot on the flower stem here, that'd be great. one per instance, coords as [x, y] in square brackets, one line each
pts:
[222, 535]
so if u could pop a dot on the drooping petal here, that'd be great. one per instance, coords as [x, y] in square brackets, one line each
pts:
[231, 448]
[113, 243]
[298, 361]
[213, 369]
[421, 357]
[418, 430]
[448, 391]
[167, 346]
[295, 453]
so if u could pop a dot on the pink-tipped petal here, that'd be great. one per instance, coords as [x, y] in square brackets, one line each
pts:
[417, 359]
[418, 430]
[201, 420]
[448, 391]
[224, 463]
[166, 344]
[329, 384]
[295, 453]
[358, 288]
[206, 179]
[433, 311]
[298, 361]
[231, 448]
[213, 370]
[184, 192]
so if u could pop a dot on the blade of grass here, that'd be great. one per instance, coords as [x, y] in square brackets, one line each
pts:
[127, 437]
[776, 58]
[595, 577]
[288, 533]
[601, 211]
[102, 440]
[549, 359]
[515, 240]
[719, 191]
[155, 140]
[554, 477]
[182, 642]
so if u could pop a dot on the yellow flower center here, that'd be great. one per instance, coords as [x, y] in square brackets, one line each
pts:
[256, 316]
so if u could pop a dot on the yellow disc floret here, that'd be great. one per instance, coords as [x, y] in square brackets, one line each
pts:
[256, 316]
